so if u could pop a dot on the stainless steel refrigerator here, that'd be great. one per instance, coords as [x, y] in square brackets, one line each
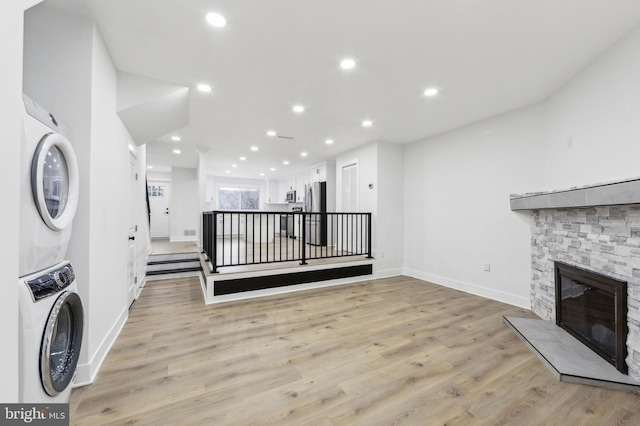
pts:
[315, 201]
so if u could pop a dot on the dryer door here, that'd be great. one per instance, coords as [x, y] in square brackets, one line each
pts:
[54, 181]
[61, 343]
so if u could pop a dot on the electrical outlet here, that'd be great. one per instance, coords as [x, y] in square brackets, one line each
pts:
[487, 266]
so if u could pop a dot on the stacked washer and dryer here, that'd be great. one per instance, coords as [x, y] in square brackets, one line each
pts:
[51, 312]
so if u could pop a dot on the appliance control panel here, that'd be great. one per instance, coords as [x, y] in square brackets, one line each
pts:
[51, 282]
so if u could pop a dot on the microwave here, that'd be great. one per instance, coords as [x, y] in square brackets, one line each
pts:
[291, 196]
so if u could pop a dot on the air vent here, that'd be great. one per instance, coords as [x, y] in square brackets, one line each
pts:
[286, 137]
[189, 232]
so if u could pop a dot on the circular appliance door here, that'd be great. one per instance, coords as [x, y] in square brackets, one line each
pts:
[61, 343]
[54, 181]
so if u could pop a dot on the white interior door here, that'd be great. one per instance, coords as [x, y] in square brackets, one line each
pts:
[159, 198]
[350, 188]
[350, 198]
[132, 267]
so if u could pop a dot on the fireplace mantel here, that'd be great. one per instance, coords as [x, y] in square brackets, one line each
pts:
[603, 194]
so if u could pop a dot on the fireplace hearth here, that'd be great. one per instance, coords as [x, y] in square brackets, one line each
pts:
[593, 308]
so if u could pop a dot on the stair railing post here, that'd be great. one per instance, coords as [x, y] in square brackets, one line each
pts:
[369, 236]
[303, 232]
[214, 243]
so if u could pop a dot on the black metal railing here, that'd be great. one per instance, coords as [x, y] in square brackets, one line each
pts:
[232, 238]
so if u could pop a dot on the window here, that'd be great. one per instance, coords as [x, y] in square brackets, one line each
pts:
[238, 198]
[155, 190]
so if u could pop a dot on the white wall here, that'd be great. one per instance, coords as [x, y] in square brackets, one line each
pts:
[457, 185]
[366, 157]
[390, 217]
[71, 74]
[381, 165]
[11, 36]
[109, 216]
[457, 214]
[599, 111]
[185, 203]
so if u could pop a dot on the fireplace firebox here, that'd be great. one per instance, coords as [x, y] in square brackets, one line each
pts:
[593, 308]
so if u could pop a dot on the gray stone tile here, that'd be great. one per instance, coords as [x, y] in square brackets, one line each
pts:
[566, 357]
[577, 198]
[621, 193]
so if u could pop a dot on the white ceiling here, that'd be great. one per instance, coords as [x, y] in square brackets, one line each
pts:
[486, 56]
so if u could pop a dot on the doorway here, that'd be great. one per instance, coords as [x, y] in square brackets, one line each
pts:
[159, 198]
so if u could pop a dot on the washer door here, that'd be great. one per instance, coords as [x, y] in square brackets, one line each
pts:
[54, 181]
[61, 343]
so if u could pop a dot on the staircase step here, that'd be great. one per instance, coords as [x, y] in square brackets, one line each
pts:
[173, 265]
[164, 262]
[172, 257]
[172, 271]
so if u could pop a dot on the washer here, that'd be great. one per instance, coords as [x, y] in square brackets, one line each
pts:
[49, 187]
[51, 324]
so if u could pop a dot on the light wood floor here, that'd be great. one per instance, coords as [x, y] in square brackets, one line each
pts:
[393, 351]
[164, 246]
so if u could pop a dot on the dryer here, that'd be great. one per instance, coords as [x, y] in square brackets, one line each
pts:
[49, 187]
[51, 325]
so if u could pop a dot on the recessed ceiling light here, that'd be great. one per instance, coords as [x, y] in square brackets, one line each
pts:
[227, 171]
[216, 20]
[303, 154]
[176, 138]
[298, 109]
[149, 167]
[347, 64]
[271, 133]
[261, 174]
[273, 169]
[254, 148]
[204, 88]
[243, 158]
[367, 123]
[177, 151]
[432, 91]
[234, 166]
[329, 141]
[286, 163]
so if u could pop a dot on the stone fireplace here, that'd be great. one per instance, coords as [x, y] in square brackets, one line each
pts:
[596, 228]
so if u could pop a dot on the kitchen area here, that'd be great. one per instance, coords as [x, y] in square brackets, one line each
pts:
[295, 194]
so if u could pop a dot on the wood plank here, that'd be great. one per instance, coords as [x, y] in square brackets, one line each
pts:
[391, 351]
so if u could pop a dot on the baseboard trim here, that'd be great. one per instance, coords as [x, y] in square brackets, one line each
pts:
[388, 273]
[500, 296]
[86, 373]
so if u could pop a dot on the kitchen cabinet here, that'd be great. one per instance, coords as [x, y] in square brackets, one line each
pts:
[301, 182]
[272, 192]
[282, 191]
[319, 173]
